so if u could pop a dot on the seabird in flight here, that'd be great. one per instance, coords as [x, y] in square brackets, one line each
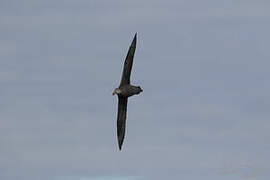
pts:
[124, 91]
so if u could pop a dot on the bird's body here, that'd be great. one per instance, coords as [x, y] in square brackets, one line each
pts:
[128, 90]
[124, 91]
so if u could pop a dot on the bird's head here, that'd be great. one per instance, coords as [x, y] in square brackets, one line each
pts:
[116, 91]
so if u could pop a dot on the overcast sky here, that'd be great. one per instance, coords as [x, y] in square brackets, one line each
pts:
[203, 65]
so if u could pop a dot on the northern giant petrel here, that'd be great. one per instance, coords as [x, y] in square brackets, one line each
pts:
[124, 91]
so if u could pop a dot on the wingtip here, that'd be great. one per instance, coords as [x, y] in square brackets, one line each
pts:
[134, 40]
[120, 147]
[135, 37]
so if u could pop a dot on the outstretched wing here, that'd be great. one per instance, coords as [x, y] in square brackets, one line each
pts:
[121, 120]
[128, 63]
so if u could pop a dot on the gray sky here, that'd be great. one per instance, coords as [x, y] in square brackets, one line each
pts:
[203, 66]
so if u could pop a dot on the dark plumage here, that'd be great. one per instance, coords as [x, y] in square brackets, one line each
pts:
[124, 91]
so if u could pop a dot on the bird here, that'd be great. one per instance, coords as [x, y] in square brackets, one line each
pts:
[124, 91]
